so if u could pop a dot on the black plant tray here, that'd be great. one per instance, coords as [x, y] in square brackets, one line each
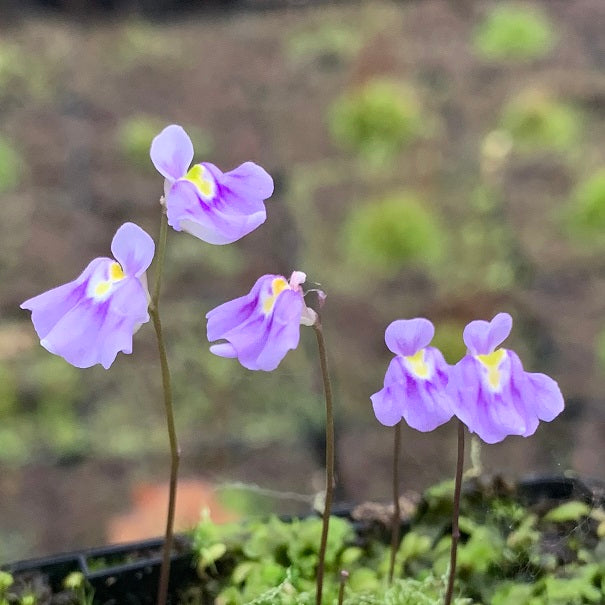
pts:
[124, 574]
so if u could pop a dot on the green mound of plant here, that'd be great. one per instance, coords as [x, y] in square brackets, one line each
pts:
[376, 121]
[273, 563]
[537, 122]
[11, 164]
[513, 32]
[136, 133]
[391, 232]
[586, 215]
[507, 555]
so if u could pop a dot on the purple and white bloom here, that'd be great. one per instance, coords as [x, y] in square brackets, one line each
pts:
[92, 318]
[217, 207]
[416, 379]
[491, 393]
[261, 327]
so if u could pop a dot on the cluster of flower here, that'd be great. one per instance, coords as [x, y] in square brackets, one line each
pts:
[92, 318]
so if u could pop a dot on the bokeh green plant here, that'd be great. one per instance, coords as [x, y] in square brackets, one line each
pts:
[514, 32]
[377, 120]
[538, 122]
[11, 166]
[391, 232]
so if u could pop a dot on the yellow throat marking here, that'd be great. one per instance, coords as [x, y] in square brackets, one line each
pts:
[419, 366]
[492, 362]
[278, 285]
[204, 183]
[115, 274]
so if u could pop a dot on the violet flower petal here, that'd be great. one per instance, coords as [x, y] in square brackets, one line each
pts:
[415, 381]
[261, 327]
[482, 337]
[407, 336]
[172, 152]
[216, 221]
[92, 318]
[133, 248]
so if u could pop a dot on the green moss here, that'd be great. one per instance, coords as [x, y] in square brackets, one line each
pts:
[391, 232]
[136, 133]
[11, 166]
[377, 121]
[512, 32]
[537, 122]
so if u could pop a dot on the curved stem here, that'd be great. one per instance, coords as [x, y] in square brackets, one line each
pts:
[323, 360]
[455, 528]
[396, 508]
[167, 388]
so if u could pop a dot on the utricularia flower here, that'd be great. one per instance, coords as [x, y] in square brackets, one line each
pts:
[261, 327]
[217, 207]
[92, 318]
[491, 393]
[416, 379]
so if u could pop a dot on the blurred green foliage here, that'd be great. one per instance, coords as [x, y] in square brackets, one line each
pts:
[448, 339]
[23, 73]
[135, 134]
[326, 40]
[390, 232]
[11, 165]
[514, 32]
[537, 122]
[586, 212]
[377, 120]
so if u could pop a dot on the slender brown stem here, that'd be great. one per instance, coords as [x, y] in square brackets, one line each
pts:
[323, 360]
[175, 453]
[344, 576]
[455, 528]
[396, 508]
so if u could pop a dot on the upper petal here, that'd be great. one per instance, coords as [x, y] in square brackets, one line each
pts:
[133, 248]
[407, 336]
[172, 152]
[482, 337]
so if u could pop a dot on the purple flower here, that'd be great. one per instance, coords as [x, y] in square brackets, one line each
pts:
[491, 392]
[92, 318]
[416, 379]
[261, 327]
[217, 207]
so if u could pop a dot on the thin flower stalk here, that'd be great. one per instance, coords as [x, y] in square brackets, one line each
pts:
[395, 529]
[455, 527]
[323, 360]
[175, 453]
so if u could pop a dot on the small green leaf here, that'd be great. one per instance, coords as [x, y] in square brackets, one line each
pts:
[570, 511]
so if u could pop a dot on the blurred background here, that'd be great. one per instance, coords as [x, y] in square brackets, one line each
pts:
[431, 158]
